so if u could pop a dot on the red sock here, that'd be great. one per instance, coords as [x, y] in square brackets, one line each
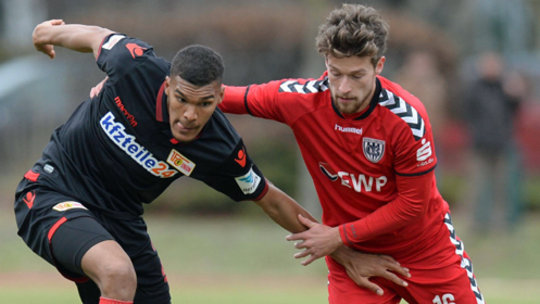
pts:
[103, 300]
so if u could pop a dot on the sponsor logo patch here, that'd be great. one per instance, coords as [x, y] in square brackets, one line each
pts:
[425, 151]
[180, 162]
[135, 50]
[373, 149]
[248, 182]
[128, 143]
[357, 182]
[64, 206]
[333, 177]
[29, 199]
[241, 158]
[122, 108]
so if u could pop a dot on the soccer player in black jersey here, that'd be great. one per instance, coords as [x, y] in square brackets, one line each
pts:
[80, 206]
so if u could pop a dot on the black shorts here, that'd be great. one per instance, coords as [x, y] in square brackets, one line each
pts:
[60, 230]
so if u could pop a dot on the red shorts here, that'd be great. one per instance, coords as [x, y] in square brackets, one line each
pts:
[437, 284]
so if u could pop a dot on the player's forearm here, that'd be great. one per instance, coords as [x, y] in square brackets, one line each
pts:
[283, 209]
[77, 37]
[410, 205]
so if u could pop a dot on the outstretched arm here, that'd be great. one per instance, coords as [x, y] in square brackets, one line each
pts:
[360, 266]
[77, 37]
[283, 209]
[411, 203]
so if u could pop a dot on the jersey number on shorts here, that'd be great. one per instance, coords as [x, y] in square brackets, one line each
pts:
[446, 298]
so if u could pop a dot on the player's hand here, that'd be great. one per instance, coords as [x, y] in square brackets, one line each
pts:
[318, 241]
[39, 37]
[362, 266]
[94, 91]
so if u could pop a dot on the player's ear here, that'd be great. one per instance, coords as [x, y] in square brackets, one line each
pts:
[326, 61]
[221, 94]
[380, 65]
[167, 84]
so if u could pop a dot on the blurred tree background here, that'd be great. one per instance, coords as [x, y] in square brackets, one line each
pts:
[261, 40]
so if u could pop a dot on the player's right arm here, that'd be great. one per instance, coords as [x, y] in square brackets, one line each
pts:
[77, 37]
[359, 266]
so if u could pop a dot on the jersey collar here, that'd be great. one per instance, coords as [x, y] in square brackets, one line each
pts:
[162, 114]
[365, 113]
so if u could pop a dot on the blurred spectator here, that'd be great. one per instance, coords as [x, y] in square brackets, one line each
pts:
[420, 74]
[491, 104]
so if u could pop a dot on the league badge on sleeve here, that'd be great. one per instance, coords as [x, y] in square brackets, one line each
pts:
[373, 149]
[248, 182]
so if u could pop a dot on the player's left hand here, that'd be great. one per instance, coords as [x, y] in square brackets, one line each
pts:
[318, 241]
[41, 39]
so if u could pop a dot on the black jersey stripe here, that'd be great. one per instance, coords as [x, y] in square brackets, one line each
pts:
[246, 101]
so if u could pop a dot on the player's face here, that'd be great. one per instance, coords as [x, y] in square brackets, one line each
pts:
[190, 106]
[352, 81]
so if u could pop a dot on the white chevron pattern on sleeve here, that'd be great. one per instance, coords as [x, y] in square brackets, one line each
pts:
[405, 111]
[312, 86]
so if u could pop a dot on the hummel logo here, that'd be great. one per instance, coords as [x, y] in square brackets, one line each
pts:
[312, 86]
[348, 129]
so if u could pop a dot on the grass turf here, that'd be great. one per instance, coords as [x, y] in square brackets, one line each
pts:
[246, 260]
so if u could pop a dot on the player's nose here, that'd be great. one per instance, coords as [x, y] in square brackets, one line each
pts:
[190, 114]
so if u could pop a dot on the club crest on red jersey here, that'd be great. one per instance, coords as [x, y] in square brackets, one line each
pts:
[373, 149]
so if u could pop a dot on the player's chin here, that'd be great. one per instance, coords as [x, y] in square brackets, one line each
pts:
[185, 136]
[347, 109]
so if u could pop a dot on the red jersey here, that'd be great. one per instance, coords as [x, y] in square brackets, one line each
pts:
[373, 170]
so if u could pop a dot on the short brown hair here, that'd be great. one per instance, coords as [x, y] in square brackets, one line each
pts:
[353, 30]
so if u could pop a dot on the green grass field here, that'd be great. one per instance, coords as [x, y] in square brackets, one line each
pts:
[247, 260]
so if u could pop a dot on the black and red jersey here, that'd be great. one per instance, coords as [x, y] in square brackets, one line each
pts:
[373, 171]
[116, 151]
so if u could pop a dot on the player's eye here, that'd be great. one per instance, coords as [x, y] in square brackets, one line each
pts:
[181, 99]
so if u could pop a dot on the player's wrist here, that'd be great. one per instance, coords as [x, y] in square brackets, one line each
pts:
[343, 236]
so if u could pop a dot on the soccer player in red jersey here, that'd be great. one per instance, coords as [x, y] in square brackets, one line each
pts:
[368, 146]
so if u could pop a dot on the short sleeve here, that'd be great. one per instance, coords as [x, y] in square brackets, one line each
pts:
[414, 155]
[118, 53]
[238, 177]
